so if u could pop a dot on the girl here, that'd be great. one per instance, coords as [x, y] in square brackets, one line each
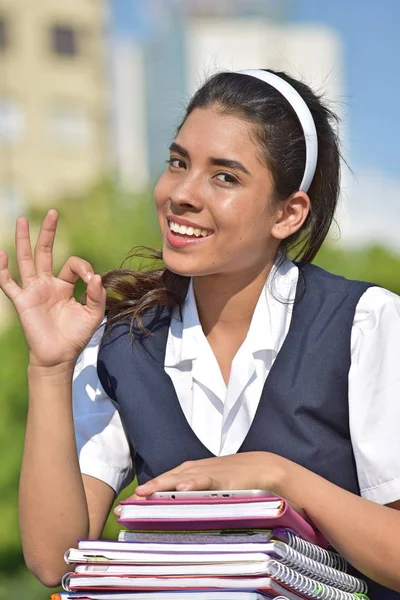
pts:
[233, 367]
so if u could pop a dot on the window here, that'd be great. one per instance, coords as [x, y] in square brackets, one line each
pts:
[12, 121]
[64, 40]
[70, 127]
[3, 35]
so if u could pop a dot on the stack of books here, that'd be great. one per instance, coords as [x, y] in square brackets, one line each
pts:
[210, 549]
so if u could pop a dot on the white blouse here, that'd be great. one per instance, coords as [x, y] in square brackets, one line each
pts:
[221, 415]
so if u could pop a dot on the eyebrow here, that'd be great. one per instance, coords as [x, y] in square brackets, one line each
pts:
[218, 162]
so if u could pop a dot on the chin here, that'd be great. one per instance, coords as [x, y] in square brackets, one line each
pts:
[181, 269]
[183, 266]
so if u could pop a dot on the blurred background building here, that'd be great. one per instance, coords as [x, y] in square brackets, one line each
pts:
[54, 116]
[93, 89]
[91, 93]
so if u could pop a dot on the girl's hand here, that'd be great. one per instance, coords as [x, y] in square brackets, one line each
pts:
[56, 326]
[245, 470]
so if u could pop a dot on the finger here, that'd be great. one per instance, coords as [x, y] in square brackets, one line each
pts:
[76, 268]
[117, 509]
[7, 284]
[24, 252]
[96, 295]
[171, 481]
[199, 482]
[44, 244]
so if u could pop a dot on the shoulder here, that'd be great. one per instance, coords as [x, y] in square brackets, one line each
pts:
[127, 332]
[88, 357]
[377, 307]
[317, 279]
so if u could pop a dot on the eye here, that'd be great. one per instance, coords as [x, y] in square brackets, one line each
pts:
[176, 163]
[227, 178]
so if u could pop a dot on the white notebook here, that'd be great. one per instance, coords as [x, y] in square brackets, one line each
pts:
[78, 582]
[294, 583]
[233, 562]
[175, 595]
[170, 510]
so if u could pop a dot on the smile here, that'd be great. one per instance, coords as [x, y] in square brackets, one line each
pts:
[188, 231]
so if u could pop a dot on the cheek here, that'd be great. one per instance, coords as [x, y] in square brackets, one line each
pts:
[160, 197]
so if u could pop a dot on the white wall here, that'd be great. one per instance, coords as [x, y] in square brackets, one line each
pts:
[128, 97]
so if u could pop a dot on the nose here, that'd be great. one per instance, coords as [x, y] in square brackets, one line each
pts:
[187, 194]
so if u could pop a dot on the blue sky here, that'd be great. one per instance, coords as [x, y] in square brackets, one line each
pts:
[371, 39]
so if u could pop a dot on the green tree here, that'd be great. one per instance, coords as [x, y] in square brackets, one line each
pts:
[102, 227]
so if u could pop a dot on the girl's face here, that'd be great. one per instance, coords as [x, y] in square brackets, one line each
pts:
[213, 200]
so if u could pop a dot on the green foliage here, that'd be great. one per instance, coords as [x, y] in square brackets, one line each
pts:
[102, 228]
[376, 264]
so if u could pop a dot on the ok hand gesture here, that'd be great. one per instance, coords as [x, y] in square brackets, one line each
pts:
[56, 326]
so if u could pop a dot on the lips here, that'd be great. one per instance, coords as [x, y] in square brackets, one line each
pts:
[189, 231]
[181, 235]
[186, 228]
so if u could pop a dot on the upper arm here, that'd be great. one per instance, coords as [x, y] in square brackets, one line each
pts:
[103, 449]
[374, 395]
[99, 497]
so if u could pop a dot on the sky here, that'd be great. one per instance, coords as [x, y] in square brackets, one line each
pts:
[371, 41]
[369, 30]
[370, 33]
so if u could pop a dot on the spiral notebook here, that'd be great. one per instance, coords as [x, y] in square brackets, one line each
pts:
[281, 581]
[165, 595]
[178, 541]
[216, 563]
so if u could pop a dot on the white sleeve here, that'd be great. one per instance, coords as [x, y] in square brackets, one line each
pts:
[374, 394]
[103, 448]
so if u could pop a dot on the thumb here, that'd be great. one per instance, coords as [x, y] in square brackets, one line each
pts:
[96, 295]
[117, 509]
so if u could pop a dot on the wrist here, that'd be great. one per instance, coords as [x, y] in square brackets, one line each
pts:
[275, 473]
[62, 370]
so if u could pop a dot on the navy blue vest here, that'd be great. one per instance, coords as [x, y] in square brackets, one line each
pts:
[303, 411]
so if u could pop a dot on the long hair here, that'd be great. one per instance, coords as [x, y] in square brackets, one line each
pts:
[281, 140]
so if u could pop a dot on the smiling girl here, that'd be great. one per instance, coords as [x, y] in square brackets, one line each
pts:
[232, 368]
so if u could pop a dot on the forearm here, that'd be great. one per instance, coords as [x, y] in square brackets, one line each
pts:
[52, 502]
[365, 533]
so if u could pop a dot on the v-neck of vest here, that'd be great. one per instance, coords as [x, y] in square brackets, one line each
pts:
[157, 349]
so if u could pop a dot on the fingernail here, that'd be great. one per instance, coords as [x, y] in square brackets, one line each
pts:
[89, 276]
[117, 510]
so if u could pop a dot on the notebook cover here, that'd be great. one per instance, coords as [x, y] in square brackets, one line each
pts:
[287, 517]
[272, 589]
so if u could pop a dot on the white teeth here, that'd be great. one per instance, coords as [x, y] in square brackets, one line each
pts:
[183, 230]
[173, 226]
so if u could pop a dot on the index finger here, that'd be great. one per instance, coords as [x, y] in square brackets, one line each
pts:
[175, 481]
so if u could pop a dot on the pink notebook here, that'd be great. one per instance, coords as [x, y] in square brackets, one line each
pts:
[284, 516]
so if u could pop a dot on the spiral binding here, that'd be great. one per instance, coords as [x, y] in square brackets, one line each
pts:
[326, 557]
[306, 586]
[315, 570]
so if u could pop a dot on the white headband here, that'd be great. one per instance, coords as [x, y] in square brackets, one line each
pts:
[303, 114]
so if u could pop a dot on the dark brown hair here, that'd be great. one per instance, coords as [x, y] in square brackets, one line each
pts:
[281, 140]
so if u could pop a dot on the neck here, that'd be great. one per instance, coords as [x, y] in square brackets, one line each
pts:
[225, 301]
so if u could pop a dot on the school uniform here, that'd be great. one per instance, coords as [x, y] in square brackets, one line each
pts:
[316, 381]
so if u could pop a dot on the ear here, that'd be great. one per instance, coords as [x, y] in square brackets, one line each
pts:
[290, 215]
